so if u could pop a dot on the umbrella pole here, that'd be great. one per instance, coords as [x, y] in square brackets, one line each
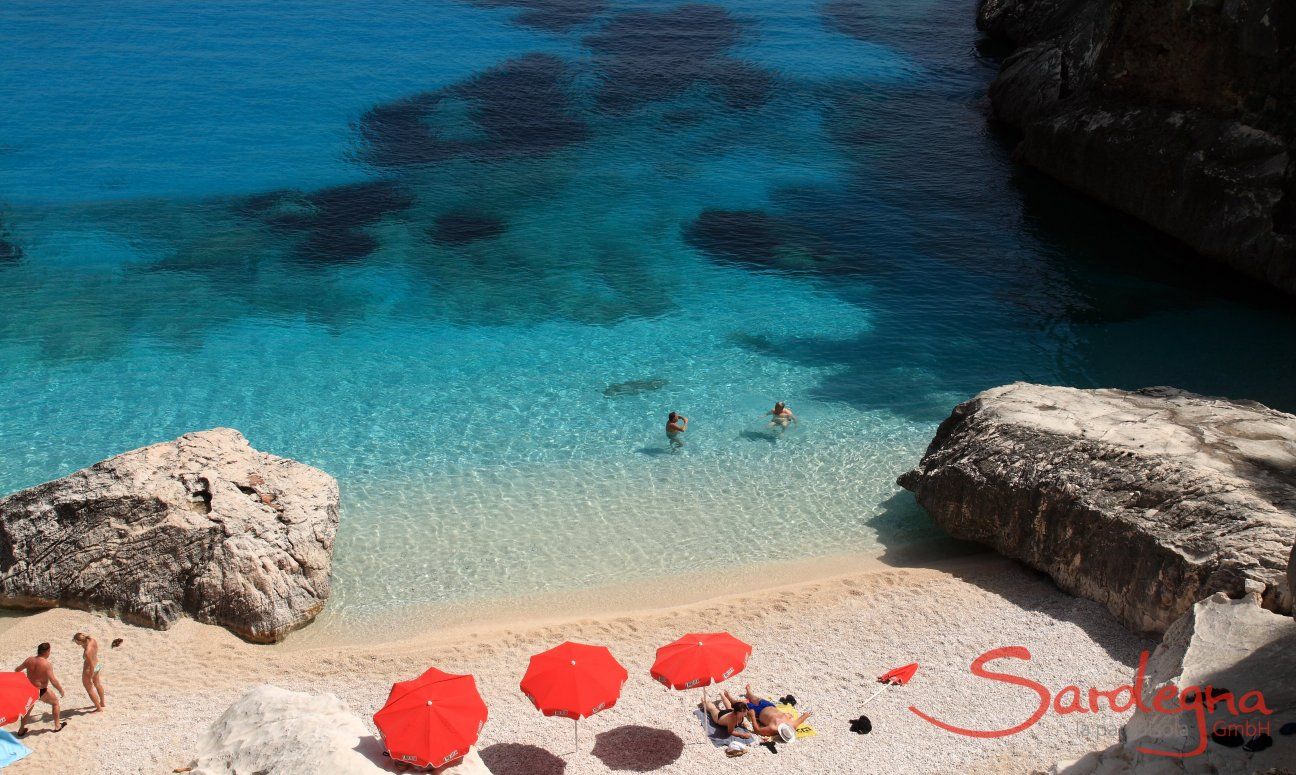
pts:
[577, 724]
[875, 694]
[706, 722]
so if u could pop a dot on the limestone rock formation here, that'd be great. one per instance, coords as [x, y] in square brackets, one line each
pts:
[1182, 114]
[1291, 574]
[1229, 645]
[293, 733]
[204, 525]
[1146, 501]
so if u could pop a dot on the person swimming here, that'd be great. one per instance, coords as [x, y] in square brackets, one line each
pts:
[676, 424]
[782, 416]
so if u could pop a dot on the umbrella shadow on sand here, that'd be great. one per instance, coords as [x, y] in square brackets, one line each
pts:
[373, 749]
[637, 748]
[519, 759]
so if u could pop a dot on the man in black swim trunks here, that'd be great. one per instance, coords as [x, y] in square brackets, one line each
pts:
[41, 674]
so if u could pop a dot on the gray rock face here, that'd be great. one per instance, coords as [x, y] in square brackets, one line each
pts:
[1182, 114]
[204, 525]
[1232, 645]
[1145, 501]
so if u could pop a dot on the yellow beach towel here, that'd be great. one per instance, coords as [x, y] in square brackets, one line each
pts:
[803, 731]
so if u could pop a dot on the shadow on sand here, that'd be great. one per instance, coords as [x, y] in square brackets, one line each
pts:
[519, 759]
[637, 748]
[902, 519]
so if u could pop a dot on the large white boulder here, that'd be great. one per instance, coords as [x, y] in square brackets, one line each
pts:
[273, 730]
[1146, 501]
[204, 525]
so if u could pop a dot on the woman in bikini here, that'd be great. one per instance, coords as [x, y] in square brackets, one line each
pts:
[768, 721]
[90, 669]
[726, 717]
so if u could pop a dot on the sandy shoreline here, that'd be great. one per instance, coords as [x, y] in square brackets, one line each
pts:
[610, 601]
[823, 641]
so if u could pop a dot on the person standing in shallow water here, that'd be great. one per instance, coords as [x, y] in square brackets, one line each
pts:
[90, 669]
[782, 416]
[676, 424]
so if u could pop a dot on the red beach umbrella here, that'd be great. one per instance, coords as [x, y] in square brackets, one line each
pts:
[17, 695]
[700, 659]
[574, 680]
[897, 677]
[431, 720]
[901, 675]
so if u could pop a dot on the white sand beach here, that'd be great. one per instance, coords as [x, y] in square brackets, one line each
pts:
[822, 641]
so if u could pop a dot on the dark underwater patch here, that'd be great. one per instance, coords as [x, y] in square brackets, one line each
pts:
[257, 205]
[522, 107]
[634, 387]
[644, 56]
[850, 17]
[460, 228]
[549, 15]
[339, 208]
[10, 252]
[328, 246]
[331, 220]
[756, 239]
[359, 204]
[741, 85]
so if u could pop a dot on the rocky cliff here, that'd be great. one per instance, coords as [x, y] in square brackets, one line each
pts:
[204, 525]
[1146, 501]
[1234, 647]
[1182, 114]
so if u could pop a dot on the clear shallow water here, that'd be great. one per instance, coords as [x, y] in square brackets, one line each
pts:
[415, 244]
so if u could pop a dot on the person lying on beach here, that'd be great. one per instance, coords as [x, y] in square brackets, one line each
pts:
[90, 669]
[782, 416]
[767, 720]
[726, 717]
[41, 674]
[676, 424]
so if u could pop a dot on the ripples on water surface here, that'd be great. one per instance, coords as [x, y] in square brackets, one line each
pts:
[415, 244]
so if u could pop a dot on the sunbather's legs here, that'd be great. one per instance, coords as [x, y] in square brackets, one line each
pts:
[713, 712]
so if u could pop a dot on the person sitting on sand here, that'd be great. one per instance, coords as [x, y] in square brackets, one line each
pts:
[768, 721]
[726, 717]
[41, 674]
[90, 669]
[676, 424]
[782, 416]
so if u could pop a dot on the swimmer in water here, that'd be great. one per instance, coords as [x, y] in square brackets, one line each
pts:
[782, 416]
[676, 424]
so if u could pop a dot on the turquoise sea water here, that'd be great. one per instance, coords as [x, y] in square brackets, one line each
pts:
[416, 244]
